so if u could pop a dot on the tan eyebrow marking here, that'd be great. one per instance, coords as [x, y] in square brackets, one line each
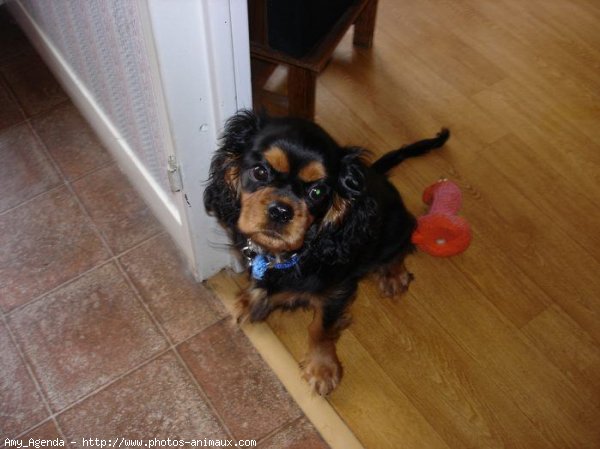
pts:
[311, 172]
[277, 158]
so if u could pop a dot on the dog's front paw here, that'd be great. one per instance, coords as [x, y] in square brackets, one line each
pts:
[252, 305]
[241, 309]
[323, 372]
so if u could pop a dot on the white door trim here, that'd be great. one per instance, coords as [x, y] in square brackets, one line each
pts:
[203, 53]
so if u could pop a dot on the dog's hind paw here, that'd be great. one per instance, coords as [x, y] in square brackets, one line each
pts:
[394, 279]
[395, 286]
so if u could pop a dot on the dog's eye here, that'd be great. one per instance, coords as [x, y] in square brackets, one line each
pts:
[259, 173]
[317, 193]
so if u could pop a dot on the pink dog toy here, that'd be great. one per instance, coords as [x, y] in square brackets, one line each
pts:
[441, 232]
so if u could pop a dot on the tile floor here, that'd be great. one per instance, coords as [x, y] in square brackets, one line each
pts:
[103, 333]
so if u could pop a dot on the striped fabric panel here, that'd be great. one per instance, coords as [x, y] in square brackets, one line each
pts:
[103, 41]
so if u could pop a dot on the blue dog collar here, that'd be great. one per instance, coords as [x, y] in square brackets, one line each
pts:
[260, 263]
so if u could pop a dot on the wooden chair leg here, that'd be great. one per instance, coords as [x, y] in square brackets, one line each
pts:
[364, 27]
[261, 71]
[302, 84]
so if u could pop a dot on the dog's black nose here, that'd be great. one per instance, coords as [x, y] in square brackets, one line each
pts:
[280, 213]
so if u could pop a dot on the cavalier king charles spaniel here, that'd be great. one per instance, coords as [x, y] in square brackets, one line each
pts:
[310, 218]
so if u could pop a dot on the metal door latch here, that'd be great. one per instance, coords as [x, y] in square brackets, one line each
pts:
[174, 174]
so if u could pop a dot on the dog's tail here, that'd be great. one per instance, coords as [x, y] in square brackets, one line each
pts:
[389, 160]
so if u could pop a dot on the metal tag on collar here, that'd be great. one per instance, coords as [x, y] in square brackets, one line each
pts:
[249, 252]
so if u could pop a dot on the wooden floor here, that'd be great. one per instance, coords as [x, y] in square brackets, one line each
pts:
[498, 347]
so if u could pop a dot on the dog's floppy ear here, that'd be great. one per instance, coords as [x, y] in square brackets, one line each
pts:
[352, 173]
[348, 225]
[350, 185]
[221, 196]
[240, 131]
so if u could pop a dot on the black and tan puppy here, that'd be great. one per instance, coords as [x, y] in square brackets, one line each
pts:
[311, 218]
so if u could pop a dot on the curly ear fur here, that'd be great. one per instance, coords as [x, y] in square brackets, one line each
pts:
[240, 131]
[352, 172]
[221, 196]
[341, 239]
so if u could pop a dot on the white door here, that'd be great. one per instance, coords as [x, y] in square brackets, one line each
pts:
[156, 79]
